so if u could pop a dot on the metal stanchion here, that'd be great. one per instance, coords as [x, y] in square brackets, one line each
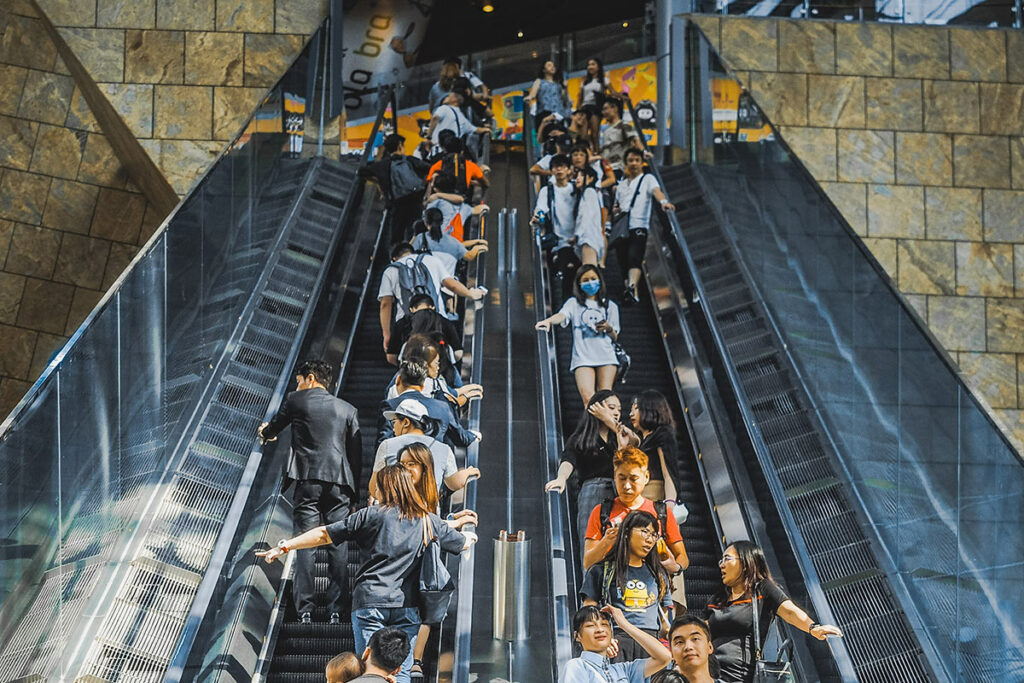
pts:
[511, 586]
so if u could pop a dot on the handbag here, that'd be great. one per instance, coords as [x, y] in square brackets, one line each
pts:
[620, 226]
[768, 671]
[621, 356]
[436, 585]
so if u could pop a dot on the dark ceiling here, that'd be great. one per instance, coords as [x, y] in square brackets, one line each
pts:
[461, 26]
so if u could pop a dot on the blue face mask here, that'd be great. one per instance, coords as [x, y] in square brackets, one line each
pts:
[590, 287]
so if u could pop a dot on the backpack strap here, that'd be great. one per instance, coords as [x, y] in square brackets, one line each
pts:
[607, 578]
[662, 511]
[606, 513]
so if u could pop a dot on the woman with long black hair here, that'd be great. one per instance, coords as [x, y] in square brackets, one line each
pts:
[596, 86]
[730, 615]
[651, 418]
[548, 91]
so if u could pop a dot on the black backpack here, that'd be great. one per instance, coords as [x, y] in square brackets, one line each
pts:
[660, 509]
[455, 165]
[414, 278]
[431, 323]
[405, 181]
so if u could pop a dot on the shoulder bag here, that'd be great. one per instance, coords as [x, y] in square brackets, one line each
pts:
[546, 229]
[436, 585]
[620, 226]
[621, 356]
[766, 671]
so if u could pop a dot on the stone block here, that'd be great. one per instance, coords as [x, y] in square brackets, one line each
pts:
[24, 42]
[920, 51]
[896, 211]
[884, 251]
[711, 26]
[183, 112]
[81, 306]
[1015, 57]
[958, 322]
[11, 287]
[6, 229]
[58, 152]
[866, 156]
[82, 261]
[45, 305]
[750, 43]
[154, 56]
[951, 107]
[188, 15]
[852, 201]
[924, 159]
[863, 49]
[16, 346]
[268, 56]
[100, 50]
[182, 161]
[100, 165]
[33, 251]
[1018, 271]
[1002, 109]
[815, 147]
[23, 196]
[134, 104]
[1004, 215]
[17, 140]
[231, 108]
[1005, 320]
[47, 346]
[120, 256]
[919, 304]
[893, 103]
[304, 16]
[150, 222]
[70, 206]
[984, 269]
[12, 81]
[807, 46]
[835, 101]
[993, 376]
[977, 54]
[782, 96]
[927, 267]
[213, 58]
[953, 213]
[126, 13]
[11, 392]
[981, 161]
[255, 16]
[1017, 162]
[69, 12]
[118, 215]
[46, 97]
[79, 115]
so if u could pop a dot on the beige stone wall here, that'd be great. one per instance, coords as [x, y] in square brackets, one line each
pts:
[917, 135]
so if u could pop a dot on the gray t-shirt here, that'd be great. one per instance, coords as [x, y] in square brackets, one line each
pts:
[590, 348]
[444, 458]
[394, 547]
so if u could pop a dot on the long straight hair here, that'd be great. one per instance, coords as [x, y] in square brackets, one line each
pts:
[637, 519]
[654, 410]
[427, 486]
[754, 567]
[587, 435]
[397, 490]
[600, 72]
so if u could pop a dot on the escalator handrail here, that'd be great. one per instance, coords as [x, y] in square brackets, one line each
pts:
[811, 580]
[557, 512]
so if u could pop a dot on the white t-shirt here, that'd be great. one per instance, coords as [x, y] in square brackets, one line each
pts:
[561, 216]
[589, 224]
[444, 458]
[593, 88]
[389, 281]
[640, 216]
[590, 348]
[451, 118]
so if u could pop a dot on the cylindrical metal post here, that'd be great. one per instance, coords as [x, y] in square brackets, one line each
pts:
[511, 587]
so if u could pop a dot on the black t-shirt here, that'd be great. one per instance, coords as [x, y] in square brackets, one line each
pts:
[662, 437]
[593, 463]
[732, 630]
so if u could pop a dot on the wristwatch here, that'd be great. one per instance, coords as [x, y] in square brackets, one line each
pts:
[282, 544]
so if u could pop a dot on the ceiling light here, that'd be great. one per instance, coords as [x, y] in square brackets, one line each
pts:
[488, 7]
[625, 24]
[519, 35]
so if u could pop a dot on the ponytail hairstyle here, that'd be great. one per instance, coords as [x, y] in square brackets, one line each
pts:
[637, 519]
[433, 218]
[397, 490]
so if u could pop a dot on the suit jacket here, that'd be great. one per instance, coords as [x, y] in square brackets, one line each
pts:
[325, 437]
[449, 429]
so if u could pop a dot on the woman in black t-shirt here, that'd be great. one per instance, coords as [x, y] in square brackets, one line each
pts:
[651, 417]
[730, 615]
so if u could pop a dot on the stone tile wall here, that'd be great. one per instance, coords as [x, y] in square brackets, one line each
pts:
[917, 135]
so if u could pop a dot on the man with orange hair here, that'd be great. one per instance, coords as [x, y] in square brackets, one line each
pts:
[630, 477]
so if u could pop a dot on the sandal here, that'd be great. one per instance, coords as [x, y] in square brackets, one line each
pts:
[416, 672]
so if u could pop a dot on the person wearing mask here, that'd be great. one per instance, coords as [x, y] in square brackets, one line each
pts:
[592, 629]
[556, 202]
[617, 136]
[651, 418]
[412, 376]
[548, 93]
[344, 668]
[635, 195]
[689, 640]
[730, 615]
[391, 535]
[595, 325]
[325, 465]
[588, 452]
[595, 88]
[630, 476]
[632, 579]
[590, 238]
[401, 182]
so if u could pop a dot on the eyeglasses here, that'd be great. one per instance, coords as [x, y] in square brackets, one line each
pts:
[726, 559]
[647, 533]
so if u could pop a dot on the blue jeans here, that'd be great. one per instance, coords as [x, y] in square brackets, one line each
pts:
[593, 492]
[366, 622]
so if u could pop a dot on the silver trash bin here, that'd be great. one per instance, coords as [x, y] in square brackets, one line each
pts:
[511, 586]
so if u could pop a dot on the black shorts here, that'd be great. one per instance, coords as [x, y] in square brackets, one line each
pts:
[592, 110]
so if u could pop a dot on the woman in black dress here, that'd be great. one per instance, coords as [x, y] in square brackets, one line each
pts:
[731, 617]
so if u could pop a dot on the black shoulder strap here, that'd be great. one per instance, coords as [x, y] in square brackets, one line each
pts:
[636, 192]
[755, 610]
[662, 511]
[606, 513]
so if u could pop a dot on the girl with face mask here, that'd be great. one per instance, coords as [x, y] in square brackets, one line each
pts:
[595, 325]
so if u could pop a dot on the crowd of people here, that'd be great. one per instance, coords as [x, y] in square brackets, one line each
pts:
[635, 622]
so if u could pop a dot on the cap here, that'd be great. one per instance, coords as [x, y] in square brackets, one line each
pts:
[409, 408]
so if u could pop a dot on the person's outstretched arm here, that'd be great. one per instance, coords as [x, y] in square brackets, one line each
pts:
[792, 614]
[660, 656]
[310, 539]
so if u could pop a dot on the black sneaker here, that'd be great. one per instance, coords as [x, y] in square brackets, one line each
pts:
[335, 618]
[306, 618]
[629, 298]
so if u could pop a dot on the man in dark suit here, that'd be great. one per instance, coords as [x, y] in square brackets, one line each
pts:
[444, 426]
[325, 463]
